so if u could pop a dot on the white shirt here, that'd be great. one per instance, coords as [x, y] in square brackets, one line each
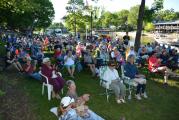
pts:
[110, 75]
[70, 60]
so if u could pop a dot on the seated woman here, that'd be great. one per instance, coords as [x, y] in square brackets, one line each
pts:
[104, 55]
[12, 60]
[73, 93]
[112, 77]
[78, 109]
[70, 63]
[118, 57]
[142, 56]
[131, 71]
[155, 66]
[30, 69]
[54, 79]
[173, 60]
[89, 61]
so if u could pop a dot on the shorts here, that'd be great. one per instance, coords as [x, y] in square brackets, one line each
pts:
[70, 66]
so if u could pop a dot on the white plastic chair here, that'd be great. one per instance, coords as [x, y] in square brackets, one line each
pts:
[49, 86]
[105, 84]
[128, 82]
[54, 111]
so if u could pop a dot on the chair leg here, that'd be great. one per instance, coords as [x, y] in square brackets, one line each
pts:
[130, 93]
[49, 88]
[43, 89]
[62, 91]
[107, 95]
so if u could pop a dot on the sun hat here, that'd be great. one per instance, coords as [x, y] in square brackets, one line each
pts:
[46, 60]
[66, 101]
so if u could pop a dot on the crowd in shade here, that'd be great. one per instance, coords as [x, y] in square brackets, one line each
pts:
[28, 56]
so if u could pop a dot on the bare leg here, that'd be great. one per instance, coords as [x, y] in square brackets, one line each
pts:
[69, 71]
[72, 71]
[19, 65]
[15, 65]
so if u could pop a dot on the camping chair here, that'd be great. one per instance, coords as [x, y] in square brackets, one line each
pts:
[130, 85]
[105, 84]
[49, 86]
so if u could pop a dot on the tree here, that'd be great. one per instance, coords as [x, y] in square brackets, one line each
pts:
[56, 25]
[122, 16]
[74, 9]
[166, 15]
[26, 14]
[133, 15]
[149, 27]
[139, 25]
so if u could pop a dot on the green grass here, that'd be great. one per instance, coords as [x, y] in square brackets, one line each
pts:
[162, 103]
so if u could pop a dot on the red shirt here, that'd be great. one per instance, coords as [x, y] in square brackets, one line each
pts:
[153, 63]
[31, 69]
[57, 53]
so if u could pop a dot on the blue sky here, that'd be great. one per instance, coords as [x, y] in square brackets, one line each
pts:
[110, 5]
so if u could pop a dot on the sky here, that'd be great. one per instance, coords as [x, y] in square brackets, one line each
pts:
[110, 5]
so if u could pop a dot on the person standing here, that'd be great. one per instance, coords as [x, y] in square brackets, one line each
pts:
[126, 39]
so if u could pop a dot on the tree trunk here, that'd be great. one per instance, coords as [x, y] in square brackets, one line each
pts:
[139, 25]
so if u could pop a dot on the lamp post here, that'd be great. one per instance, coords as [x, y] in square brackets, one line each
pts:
[91, 36]
[92, 11]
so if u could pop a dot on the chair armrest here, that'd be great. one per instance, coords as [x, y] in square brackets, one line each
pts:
[46, 78]
[59, 73]
[104, 83]
[126, 78]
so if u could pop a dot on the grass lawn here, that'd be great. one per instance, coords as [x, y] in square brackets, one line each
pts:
[163, 103]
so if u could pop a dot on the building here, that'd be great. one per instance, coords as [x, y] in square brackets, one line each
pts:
[167, 27]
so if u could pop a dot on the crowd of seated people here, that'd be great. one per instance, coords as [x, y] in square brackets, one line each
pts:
[27, 56]
[71, 55]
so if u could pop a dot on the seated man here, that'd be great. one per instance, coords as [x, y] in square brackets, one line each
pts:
[155, 66]
[67, 111]
[173, 60]
[12, 60]
[30, 69]
[131, 71]
[112, 77]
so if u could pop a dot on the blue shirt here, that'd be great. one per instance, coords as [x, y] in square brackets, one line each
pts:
[72, 115]
[130, 70]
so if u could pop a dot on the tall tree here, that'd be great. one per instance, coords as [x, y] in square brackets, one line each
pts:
[139, 25]
[24, 14]
[133, 16]
[74, 8]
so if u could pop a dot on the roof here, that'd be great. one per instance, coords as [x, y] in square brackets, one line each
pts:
[169, 22]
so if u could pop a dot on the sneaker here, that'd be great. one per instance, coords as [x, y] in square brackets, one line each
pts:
[122, 100]
[138, 97]
[165, 85]
[118, 101]
[145, 95]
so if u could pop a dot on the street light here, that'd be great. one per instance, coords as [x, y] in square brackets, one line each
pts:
[92, 11]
